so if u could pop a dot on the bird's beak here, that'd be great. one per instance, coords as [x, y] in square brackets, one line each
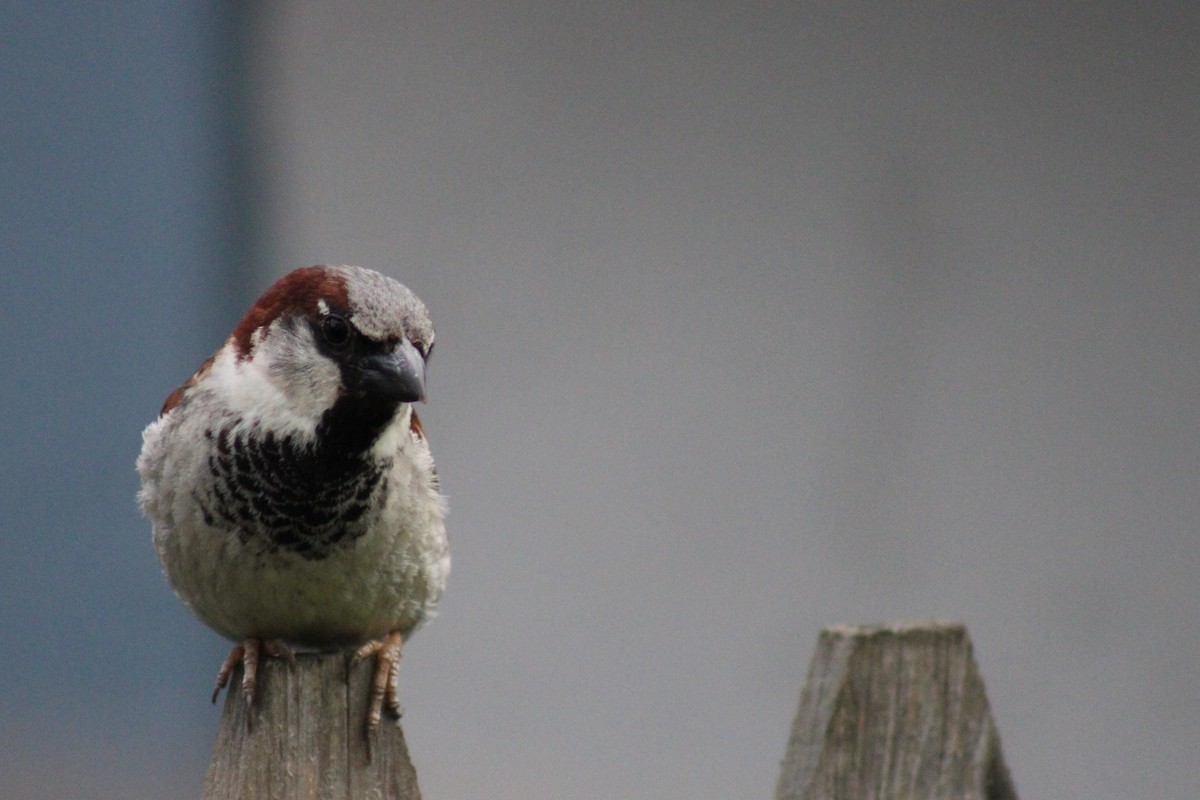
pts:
[398, 374]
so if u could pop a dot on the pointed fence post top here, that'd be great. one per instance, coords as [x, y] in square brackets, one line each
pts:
[894, 711]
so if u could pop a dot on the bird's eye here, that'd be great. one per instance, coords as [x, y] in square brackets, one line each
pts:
[336, 330]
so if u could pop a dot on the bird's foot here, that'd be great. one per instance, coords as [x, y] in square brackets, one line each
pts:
[247, 653]
[385, 682]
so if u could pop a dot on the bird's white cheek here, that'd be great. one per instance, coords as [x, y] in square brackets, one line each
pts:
[309, 381]
[285, 387]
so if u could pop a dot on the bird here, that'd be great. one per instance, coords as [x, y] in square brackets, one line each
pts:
[293, 499]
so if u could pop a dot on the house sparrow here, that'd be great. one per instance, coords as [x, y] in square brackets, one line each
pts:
[292, 493]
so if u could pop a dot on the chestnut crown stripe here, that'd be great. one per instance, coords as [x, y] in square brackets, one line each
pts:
[295, 293]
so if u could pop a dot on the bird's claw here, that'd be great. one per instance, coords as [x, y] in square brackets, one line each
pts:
[247, 653]
[385, 681]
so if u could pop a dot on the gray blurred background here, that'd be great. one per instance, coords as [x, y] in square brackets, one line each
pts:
[752, 318]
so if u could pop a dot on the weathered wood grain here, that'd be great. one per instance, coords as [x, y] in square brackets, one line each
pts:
[307, 738]
[894, 713]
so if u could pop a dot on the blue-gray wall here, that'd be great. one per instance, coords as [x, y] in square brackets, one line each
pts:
[122, 233]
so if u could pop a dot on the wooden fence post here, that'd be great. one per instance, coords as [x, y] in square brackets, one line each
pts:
[306, 738]
[894, 712]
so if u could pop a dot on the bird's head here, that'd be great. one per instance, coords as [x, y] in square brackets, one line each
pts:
[334, 349]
